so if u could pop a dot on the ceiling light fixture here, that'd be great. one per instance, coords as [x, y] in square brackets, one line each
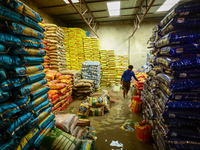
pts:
[114, 8]
[167, 5]
[74, 1]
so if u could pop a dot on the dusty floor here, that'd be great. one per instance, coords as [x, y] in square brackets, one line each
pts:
[108, 126]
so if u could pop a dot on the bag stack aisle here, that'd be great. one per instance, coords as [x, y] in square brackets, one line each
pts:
[95, 47]
[171, 97]
[87, 49]
[91, 71]
[124, 60]
[112, 67]
[55, 42]
[104, 68]
[25, 110]
[60, 94]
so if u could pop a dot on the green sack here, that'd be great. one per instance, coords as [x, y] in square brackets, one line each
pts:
[58, 139]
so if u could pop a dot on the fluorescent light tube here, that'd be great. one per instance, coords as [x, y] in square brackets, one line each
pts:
[114, 8]
[168, 4]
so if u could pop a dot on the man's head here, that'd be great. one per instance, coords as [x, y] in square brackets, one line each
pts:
[130, 67]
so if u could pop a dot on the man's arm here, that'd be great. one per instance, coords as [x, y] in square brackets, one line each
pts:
[123, 76]
[135, 77]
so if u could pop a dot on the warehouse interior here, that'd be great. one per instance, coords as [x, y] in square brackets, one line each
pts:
[99, 74]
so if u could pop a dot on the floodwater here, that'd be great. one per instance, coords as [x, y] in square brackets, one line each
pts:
[109, 134]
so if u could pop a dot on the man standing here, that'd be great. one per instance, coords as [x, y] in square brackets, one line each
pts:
[126, 78]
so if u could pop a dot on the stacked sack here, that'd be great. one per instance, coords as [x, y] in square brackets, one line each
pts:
[66, 44]
[94, 106]
[171, 96]
[55, 44]
[83, 89]
[80, 34]
[91, 71]
[24, 106]
[104, 68]
[87, 49]
[76, 75]
[124, 61]
[112, 66]
[60, 94]
[119, 68]
[95, 47]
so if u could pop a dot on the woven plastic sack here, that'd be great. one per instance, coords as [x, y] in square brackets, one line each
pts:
[35, 77]
[186, 73]
[4, 96]
[97, 111]
[28, 70]
[36, 94]
[29, 51]
[84, 110]
[32, 42]
[10, 62]
[43, 106]
[49, 140]
[46, 121]
[33, 60]
[98, 101]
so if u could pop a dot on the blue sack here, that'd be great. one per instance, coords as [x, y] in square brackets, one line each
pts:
[179, 50]
[7, 14]
[195, 73]
[46, 121]
[27, 89]
[181, 23]
[24, 104]
[35, 121]
[10, 62]
[19, 126]
[19, 29]
[9, 40]
[193, 95]
[3, 74]
[33, 60]
[35, 77]
[29, 52]
[43, 133]
[35, 94]
[31, 42]
[40, 108]
[4, 96]
[8, 109]
[3, 49]
[28, 70]
[12, 83]
[179, 37]
[9, 145]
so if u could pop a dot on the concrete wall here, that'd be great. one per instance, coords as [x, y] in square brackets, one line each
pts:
[115, 36]
[45, 17]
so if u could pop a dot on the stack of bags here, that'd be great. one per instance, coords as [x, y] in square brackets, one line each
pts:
[66, 44]
[91, 71]
[124, 61]
[72, 48]
[24, 106]
[171, 98]
[87, 49]
[83, 89]
[60, 94]
[104, 68]
[112, 67]
[95, 47]
[119, 68]
[55, 43]
[76, 75]
[94, 106]
[80, 34]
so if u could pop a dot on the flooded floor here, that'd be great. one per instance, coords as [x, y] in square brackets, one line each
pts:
[109, 134]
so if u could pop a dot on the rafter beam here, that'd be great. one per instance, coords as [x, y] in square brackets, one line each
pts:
[85, 19]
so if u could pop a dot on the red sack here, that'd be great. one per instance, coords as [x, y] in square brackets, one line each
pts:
[55, 101]
[144, 133]
[54, 97]
[52, 92]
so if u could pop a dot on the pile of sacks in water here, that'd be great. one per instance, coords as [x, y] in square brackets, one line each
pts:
[83, 89]
[24, 106]
[76, 75]
[60, 94]
[91, 71]
[94, 106]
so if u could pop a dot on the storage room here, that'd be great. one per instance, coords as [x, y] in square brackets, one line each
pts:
[99, 74]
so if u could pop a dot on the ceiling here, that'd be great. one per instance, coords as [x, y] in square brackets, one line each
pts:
[67, 13]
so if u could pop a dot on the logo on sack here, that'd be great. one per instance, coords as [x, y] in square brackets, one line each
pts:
[21, 71]
[183, 75]
[178, 97]
[173, 134]
[180, 20]
[179, 50]
[27, 90]
[41, 52]
[21, 50]
[172, 115]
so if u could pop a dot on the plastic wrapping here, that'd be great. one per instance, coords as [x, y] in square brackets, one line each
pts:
[4, 96]
[10, 62]
[35, 94]
[3, 74]
[33, 60]
[31, 42]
